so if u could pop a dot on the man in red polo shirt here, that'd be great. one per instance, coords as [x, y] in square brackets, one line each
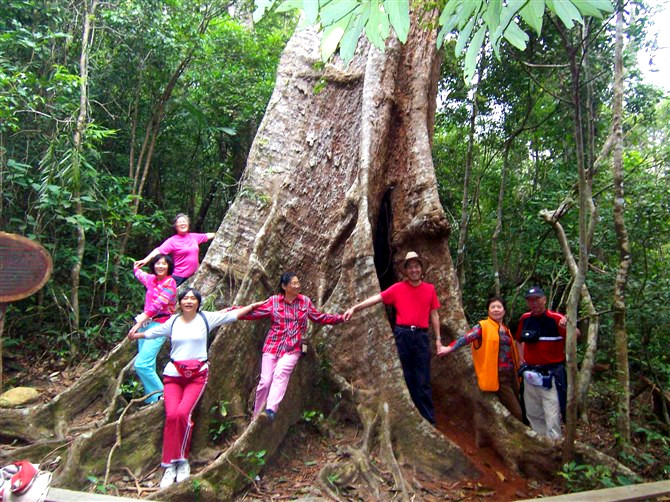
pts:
[541, 333]
[416, 306]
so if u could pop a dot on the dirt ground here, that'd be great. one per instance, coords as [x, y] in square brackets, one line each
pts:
[293, 473]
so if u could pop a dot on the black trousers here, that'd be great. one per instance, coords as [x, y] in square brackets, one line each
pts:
[414, 352]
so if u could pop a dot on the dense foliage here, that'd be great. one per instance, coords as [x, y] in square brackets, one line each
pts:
[222, 72]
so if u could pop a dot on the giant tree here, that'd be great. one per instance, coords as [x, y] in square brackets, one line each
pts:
[339, 184]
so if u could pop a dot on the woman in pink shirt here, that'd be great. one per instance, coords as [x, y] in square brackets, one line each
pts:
[159, 304]
[184, 247]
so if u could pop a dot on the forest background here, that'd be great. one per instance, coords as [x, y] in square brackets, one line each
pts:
[174, 93]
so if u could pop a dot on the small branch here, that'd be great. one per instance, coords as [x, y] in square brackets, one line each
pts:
[118, 431]
[540, 65]
[137, 484]
[252, 480]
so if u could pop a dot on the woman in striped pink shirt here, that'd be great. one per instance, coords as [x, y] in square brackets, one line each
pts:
[159, 304]
[288, 312]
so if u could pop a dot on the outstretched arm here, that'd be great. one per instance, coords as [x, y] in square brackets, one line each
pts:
[373, 300]
[245, 310]
[474, 334]
[141, 263]
[160, 330]
[435, 322]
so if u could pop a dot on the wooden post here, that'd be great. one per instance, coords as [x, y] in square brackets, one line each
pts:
[3, 309]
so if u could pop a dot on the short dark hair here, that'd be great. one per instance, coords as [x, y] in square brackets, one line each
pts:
[285, 279]
[195, 292]
[181, 215]
[167, 258]
[496, 298]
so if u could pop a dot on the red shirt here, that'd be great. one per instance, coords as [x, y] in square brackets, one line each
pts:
[550, 348]
[412, 303]
[289, 322]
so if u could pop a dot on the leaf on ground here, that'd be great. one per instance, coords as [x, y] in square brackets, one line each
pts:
[485, 491]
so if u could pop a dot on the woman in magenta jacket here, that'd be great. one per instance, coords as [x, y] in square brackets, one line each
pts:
[184, 247]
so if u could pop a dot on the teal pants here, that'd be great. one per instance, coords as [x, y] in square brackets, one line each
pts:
[145, 363]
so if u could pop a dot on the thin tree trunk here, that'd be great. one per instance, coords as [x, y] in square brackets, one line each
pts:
[465, 214]
[619, 302]
[499, 218]
[582, 264]
[80, 130]
[586, 370]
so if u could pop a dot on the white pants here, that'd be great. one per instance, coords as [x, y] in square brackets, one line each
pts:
[543, 409]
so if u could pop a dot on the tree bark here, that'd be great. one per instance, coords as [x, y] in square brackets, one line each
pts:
[582, 263]
[623, 245]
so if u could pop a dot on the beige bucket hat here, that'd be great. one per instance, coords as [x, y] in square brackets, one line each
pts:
[411, 255]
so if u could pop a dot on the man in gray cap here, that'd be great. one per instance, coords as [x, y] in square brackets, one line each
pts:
[416, 307]
[542, 335]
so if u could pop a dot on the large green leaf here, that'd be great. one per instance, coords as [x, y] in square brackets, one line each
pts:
[398, 12]
[311, 9]
[594, 8]
[533, 14]
[473, 50]
[332, 36]
[464, 36]
[467, 8]
[374, 24]
[261, 7]
[566, 12]
[350, 39]
[334, 11]
[516, 36]
[492, 14]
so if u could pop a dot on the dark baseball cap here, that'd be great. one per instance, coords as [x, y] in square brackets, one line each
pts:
[534, 291]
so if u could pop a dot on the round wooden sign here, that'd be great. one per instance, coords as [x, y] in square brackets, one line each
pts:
[25, 266]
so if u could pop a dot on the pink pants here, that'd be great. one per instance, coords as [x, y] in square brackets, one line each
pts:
[181, 395]
[275, 374]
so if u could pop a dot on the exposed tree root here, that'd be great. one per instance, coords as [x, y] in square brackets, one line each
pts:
[54, 419]
[118, 441]
[356, 466]
[142, 434]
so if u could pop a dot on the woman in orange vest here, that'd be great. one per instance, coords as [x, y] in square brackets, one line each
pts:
[494, 354]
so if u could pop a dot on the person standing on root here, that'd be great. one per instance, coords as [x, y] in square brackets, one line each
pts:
[185, 376]
[288, 312]
[184, 247]
[495, 356]
[159, 304]
[541, 334]
[416, 305]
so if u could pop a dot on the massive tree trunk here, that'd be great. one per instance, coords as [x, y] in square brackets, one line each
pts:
[338, 186]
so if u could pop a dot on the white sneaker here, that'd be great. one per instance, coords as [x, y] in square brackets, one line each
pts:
[183, 471]
[169, 476]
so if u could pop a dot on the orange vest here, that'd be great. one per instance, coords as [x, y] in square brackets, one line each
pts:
[485, 355]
